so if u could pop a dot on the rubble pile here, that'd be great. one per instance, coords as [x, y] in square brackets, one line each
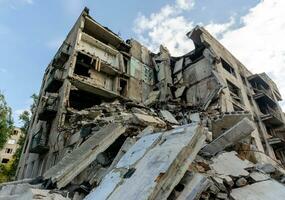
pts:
[131, 151]
[127, 123]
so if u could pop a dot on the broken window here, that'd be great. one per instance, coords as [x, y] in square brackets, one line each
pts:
[123, 87]
[228, 67]
[80, 99]
[54, 81]
[15, 132]
[83, 64]
[5, 160]
[235, 92]
[126, 65]
[8, 150]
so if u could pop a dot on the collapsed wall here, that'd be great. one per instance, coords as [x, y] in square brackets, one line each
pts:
[113, 115]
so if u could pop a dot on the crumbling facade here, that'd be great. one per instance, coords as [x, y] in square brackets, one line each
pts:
[96, 80]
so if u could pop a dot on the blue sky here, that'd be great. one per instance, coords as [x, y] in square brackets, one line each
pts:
[31, 31]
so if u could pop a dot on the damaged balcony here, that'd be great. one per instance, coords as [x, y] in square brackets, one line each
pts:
[49, 107]
[39, 144]
[99, 78]
[270, 116]
[103, 34]
[62, 55]
[55, 80]
[261, 89]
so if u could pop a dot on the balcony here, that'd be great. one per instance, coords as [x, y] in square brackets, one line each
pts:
[38, 144]
[271, 117]
[49, 107]
[61, 56]
[54, 81]
[262, 95]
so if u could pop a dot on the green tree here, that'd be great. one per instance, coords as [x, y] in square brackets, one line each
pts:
[6, 122]
[8, 171]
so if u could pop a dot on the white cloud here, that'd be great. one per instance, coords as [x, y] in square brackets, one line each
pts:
[258, 43]
[217, 30]
[167, 27]
[185, 4]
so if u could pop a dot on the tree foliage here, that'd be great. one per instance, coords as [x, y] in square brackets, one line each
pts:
[6, 122]
[8, 171]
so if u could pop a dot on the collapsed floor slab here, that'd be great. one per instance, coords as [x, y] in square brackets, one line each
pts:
[264, 190]
[239, 131]
[153, 166]
[72, 164]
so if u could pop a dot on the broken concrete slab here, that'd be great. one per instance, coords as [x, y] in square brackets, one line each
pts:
[152, 98]
[241, 182]
[258, 176]
[75, 162]
[157, 159]
[263, 190]
[26, 191]
[168, 117]
[179, 92]
[229, 164]
[147, 120]
[228, 180]
[238, 132]
[194, 185]
[226, 120]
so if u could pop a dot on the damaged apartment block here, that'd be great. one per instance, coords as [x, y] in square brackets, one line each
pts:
[117, 121]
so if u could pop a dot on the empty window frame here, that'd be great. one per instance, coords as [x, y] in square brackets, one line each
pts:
[123, 87]
[83, 64]
[228, 67]
[5, 160]
[15, 132]
[8, 150]
[235, 92]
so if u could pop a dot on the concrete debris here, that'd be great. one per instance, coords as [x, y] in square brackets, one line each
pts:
[258, 176]
[194, 185]
[223, 164]
[28, 192]
[241, 182]
[72, 164]
[239, 131]
[117, 121]
[152, 98]
[149, 120]
[167, 116]
[156, 156]
[264, 190]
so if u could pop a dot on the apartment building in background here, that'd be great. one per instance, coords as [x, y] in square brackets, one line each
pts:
[9, 149]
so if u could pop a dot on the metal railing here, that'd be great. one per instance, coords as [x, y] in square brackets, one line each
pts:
[38, 143]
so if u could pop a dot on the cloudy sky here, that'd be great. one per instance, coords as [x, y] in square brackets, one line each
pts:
[31, 31]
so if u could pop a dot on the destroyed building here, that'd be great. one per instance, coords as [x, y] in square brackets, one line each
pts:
[102, 98]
